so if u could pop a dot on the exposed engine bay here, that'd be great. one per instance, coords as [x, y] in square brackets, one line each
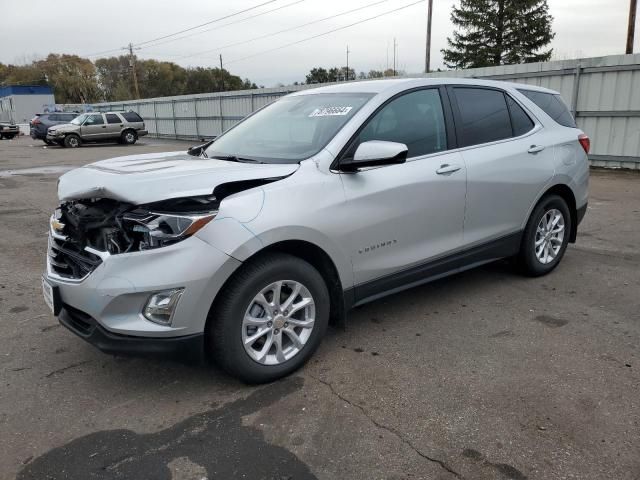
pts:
[116, 227]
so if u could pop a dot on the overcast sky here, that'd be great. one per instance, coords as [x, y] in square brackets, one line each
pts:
[33, 28]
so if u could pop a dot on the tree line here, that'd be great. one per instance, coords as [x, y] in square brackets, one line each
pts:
[79, 80]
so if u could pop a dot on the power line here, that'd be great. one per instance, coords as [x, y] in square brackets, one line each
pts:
[206, 23]
[227, 24]
[261, 37]
[188, 29]
[325, 33]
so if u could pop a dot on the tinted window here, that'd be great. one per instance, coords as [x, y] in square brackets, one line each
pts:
[113, 118]
[552, 106]
[519, 118]
[67, 117]
[415, 119]
[53, 117]
[484, 115]
[132, 117]
[94, 120]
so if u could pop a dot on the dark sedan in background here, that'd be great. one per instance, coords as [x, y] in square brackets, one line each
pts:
[42, 121]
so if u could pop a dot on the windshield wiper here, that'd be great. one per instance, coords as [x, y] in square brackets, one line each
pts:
[235, 158]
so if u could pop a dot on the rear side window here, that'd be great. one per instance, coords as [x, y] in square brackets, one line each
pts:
[415, 119]
[53, 117]
[67, 117]
[113, 118]
[484, 115]
[132, 117]
[553, 105]
[519, 118]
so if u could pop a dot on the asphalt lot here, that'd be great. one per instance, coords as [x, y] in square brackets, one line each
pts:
[485, 375]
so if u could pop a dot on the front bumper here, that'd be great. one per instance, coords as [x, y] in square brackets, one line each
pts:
[189, 347]
[9, 130]
[114, 295]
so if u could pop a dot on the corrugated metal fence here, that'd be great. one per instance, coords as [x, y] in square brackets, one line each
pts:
[603, 92]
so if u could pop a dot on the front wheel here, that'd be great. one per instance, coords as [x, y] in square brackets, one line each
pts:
[269, 319]
[546, 236]
[72, 141]
[8, 136]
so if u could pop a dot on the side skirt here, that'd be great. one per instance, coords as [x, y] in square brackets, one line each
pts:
[428, 272]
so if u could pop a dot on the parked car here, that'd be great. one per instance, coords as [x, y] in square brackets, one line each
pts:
[324, 200]
[42, 121]
[123, 127]
[8, 130]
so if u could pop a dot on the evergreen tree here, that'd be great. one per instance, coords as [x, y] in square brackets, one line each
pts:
[499, 32]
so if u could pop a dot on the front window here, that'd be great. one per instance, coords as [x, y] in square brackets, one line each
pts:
[291, 129]
[79, 120]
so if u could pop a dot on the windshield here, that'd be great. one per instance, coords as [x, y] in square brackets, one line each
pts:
[79, 120]
[289, 130]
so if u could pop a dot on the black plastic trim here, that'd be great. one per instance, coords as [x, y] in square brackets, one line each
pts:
[188, 347]
[506, 246]
[581, 212]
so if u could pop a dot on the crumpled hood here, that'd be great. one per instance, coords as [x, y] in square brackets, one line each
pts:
[152, 177]
[62, 126]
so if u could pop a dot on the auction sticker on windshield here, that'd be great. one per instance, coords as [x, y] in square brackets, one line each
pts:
[330, 111]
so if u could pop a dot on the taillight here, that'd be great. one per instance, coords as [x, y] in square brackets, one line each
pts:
[585, 142]
[36, 121]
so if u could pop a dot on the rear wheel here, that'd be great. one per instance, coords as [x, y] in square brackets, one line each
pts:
[269, 319]
[72, 141]
[546, 236]
[128, 137]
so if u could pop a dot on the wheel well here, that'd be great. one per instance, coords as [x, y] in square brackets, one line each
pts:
[319, 259]
[128, 130]
[565, 192]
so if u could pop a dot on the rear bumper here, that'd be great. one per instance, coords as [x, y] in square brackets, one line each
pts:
[188, 347]
[142, 133]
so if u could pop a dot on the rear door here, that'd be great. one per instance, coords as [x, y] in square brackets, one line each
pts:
[94, 127]
[508, 157]
[114, 124]
[403, 216]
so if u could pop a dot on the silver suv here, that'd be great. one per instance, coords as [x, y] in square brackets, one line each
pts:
[248, 246]
[123, 127]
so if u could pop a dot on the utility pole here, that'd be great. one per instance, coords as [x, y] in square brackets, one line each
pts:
[633, 8]
[427, 58]
[395, 46]
[132, 65]
[221, 73]
[346, 76]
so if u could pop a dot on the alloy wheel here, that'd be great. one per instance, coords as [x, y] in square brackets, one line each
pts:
[549, 236]
[278, 322]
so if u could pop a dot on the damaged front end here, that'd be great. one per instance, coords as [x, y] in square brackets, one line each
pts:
[85, 232]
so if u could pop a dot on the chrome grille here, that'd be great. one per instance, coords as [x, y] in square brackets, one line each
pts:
[68, 261]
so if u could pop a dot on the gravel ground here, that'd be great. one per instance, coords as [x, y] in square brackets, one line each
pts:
[484, 375]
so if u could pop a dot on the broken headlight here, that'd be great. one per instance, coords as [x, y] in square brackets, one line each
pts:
[156, 230]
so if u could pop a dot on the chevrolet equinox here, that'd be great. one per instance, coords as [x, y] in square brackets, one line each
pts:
[245, 248]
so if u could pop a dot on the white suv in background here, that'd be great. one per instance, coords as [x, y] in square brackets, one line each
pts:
[246, 247]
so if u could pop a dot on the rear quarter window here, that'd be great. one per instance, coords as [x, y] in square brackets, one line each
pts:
[132, 117]
[552, 105]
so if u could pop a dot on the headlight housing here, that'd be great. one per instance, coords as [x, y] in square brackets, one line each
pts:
[155, 230]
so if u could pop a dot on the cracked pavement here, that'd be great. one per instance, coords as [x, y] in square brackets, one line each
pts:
[485, 375]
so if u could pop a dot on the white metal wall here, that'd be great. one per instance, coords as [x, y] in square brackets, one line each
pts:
[22, 108]
[603, 92]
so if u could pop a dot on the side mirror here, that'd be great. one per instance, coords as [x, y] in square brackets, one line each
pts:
[375, 153]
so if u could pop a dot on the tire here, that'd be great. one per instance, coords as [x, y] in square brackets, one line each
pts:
[72, 141]
[536, 260]
[227, 328]
[128, 137]
[9, 136]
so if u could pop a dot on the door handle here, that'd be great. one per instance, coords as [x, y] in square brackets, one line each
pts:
[536, 148]
[446, 169]
[104, 126]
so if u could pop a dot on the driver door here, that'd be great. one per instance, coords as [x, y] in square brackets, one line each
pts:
[94, 127]
[400, 218]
